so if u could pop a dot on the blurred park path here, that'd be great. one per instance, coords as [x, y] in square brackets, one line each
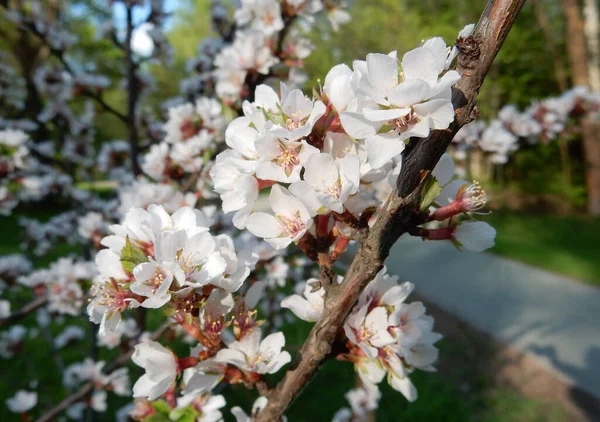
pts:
[555, 319]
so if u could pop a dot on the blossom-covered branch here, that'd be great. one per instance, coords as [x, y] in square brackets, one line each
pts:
[477, 53]
[196, 239]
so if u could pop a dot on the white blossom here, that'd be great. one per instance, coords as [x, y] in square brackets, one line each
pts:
[22, 401]
[160, 366]
[253, 355]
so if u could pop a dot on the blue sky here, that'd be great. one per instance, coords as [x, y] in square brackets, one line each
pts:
[140, 12]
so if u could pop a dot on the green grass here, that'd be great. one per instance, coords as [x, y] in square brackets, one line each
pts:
[564, 245]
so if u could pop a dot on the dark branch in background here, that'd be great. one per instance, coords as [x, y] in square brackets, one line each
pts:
[65, 166]
[88, 388]
[59, 54]
[401, 211]
[132, 95]
[24, 311]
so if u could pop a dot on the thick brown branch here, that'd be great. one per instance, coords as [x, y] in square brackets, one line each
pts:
[23, 312]
[87, 388]
[474, 61]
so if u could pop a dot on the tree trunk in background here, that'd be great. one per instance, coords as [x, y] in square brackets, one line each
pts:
[591, 27]
[590, 130]
[576, 43]
[591, 145]
[560, 72]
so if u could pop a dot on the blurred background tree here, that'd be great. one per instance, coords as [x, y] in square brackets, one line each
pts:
[553, 47]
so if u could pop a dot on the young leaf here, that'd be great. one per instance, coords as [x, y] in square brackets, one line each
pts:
[430, 191]
[131, 256]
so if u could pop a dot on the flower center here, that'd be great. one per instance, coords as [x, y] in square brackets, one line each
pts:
[259, 358]
[291, 226]
[364, 333]
[473, 198]
[109, 297]
[402, 124]
[188, 263]
[155, 282]
[288, 157]
[334, 189]
[268, 18]
[295, 120]
[190, 127]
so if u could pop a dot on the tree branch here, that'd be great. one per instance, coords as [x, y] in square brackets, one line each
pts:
[24, 311]
[59, 54]
[401, 209]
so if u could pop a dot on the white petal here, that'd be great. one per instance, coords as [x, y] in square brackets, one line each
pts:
[383, 73]
[409, 92]
[262, 225]
[444, 170]
[406, 387]
[299, 306]
[273, 342]
[357, 126]
[475, 236]
[381, 148]
[440, 112]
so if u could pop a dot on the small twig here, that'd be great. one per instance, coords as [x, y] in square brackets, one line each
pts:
[24, 311]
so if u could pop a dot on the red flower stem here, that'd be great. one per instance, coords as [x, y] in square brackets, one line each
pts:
[189, 362]
[340, 246]
[322, 226]
[446, 212]
[443, 233]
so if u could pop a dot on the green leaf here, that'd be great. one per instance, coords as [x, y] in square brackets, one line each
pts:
[161, 407]
[170, 312]
[430, 191]
[157, 417]
[186, 414]
[188, 318]
[132, 256]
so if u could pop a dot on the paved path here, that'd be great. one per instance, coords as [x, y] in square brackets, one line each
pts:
[554, 318]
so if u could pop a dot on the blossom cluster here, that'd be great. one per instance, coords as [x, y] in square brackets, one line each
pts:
[90, 371]
[331, 160]
[157, 244]
[193, 133]
[157, 260]
[260, 45]
[63, 284]
[388, 336]
[542, 122]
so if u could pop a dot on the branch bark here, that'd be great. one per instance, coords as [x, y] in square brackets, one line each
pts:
[400, 211]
